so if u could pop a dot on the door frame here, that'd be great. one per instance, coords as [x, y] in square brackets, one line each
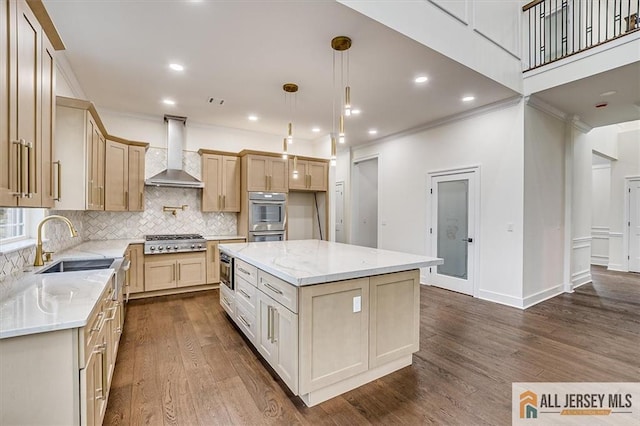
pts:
[626, 237]
[430, 220]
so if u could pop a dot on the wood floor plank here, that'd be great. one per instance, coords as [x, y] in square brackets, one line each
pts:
[183, 361]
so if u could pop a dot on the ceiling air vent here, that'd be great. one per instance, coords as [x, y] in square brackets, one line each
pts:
[216, 101]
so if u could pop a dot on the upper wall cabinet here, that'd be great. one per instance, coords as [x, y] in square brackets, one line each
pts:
[221, 177]
[96, 171]
[265, 173]
[312, 175]
[27, 84]
[136, 178]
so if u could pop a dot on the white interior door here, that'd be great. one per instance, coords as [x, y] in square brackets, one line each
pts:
[340, 234]
[365, 212]
[453, 229]
[634, 226]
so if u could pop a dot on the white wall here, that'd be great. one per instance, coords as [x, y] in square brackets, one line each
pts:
[463, 30]
[544, 203]
[494, 141]
[604, 141]
[628, 164]
[600, 202]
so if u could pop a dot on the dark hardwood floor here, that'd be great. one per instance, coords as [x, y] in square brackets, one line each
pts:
[181, 361]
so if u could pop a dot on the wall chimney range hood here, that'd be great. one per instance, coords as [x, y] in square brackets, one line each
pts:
[174, 175]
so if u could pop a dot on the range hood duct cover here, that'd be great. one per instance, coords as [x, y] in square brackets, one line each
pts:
[174, 175]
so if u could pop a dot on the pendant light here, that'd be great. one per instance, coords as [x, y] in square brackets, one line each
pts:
[285, 154]
[290, 90]
[342, 44]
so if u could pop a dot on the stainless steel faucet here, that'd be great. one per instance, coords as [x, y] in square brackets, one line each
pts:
[39, 261]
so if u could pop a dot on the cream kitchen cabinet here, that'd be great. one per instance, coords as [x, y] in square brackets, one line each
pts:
[62, 376]
[221, 177]
[80, 174]
[277, 338]
[97, 171]
[116, 186]
[166, 271]
[312, 175]
[135, 275]
[136, 177]
[265, 173]
[27, 84]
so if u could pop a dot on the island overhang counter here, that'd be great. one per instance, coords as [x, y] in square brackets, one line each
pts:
[328, 317]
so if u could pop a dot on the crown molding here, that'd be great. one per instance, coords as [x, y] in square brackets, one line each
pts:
[542, 106]
[505, 103]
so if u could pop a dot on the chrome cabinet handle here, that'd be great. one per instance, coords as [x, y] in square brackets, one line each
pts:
[272, 288]
[276, 317]
[244, 271]
[224, 202]
[244, 293]
[18, 163]
[244, 321]
[269, 322]
[126, 200]
[31, 175]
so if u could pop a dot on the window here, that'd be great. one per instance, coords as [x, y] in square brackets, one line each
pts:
[12, 225]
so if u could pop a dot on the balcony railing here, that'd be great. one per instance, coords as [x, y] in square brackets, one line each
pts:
[555, 29]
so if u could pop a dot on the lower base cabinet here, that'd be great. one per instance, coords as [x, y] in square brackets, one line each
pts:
[164, 271]
[325, 339]
[61, 377]
[277, 339]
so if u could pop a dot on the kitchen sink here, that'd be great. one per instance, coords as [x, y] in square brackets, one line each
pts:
[78, 265]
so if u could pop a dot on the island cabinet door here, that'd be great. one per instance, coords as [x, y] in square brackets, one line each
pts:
[394, 316]
[264, 339]
[334, 332]
[285, 335]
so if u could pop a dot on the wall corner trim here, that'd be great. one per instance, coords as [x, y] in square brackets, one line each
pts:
[542, 106]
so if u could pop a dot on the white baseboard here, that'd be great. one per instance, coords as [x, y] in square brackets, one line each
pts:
[580, 278]
[599, 262]
[616, 267]
[543, 295]
[503, 299]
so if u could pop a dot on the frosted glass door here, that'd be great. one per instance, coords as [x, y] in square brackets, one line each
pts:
[454, 199]
[453, 219]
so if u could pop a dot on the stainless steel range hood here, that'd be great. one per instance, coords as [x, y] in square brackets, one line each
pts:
[174, 175]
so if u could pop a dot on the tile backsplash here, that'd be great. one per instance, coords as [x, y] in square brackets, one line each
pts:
[96, 225]
[57, 238]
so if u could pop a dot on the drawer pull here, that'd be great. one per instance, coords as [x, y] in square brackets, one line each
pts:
[244, 271]
[272, 288]
[244, 293]
[244, 321]
[99, 326]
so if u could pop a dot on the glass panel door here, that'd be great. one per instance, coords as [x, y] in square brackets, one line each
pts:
[453, 220]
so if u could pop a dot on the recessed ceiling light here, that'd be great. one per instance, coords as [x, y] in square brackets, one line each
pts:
[421, 79]
[315, 129]
[168, 102]
[253, 118]
[373, 132]
[609, 93]
[355, 111]
[468, 98]
[176, 67]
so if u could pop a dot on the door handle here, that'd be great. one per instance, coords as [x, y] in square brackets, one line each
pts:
[467, 240]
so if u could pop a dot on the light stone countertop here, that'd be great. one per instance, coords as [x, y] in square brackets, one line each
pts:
[36, 303]
[306, 262]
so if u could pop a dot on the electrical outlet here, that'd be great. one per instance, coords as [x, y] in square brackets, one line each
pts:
[357, 304]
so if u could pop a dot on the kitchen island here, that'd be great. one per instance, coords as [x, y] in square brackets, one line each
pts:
[328, 317]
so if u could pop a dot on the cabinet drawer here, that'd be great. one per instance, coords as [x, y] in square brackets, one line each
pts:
[246, 320]
[281, 291]
[246, 292]
[89, 333]
[227, 300]
[246, 271]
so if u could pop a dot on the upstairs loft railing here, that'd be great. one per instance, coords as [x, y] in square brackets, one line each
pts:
[555, 29]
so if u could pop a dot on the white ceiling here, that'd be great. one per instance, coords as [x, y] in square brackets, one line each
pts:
[243, 51]
[580, 97]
